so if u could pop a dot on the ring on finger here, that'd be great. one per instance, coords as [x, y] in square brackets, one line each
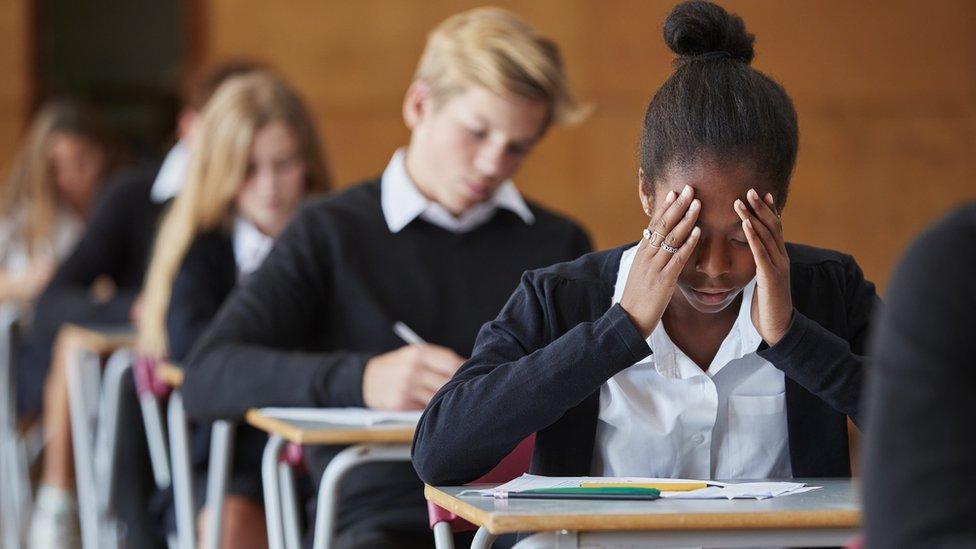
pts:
[649, 236]
[668, 248]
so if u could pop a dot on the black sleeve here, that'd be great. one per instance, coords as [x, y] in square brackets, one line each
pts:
[825, 364]
[101, 251]
[200, 287]
[520, 379]
[256, 351]
[919, 450]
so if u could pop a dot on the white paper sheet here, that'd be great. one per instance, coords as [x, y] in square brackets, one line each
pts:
[715, 490]
[353, 417]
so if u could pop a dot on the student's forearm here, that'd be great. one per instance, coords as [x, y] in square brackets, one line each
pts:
[502, 396]
[822, 363]
[224, 381]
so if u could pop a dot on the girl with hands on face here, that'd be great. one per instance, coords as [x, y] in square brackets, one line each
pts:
[711, 348]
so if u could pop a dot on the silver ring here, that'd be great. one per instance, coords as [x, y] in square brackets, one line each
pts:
[669, 249]
[649, 237]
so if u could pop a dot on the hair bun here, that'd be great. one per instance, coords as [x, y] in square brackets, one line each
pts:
[698, 27]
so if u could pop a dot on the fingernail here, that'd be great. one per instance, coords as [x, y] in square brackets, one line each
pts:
[738, 204]
[769, 197]
[670, 196]
[694, 205]
[753, 194]
[686, 191]
[696, 231]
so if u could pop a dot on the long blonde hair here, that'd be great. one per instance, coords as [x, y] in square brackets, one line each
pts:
[30, 184]
[229, 121]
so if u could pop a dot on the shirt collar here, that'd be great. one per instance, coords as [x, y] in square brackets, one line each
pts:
[172, 174]
[402, 202]
[668, 359]
[251, 246]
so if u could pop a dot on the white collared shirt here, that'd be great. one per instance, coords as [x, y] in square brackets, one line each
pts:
[172, 174]
[665, 417]
[402, 202]
[251, 246]
[16, 255]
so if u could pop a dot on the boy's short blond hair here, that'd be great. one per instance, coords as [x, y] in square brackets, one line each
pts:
[493, 48]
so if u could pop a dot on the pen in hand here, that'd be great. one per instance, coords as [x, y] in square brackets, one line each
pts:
[406, 334]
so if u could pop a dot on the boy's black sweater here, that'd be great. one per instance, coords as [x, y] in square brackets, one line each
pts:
[299, 331]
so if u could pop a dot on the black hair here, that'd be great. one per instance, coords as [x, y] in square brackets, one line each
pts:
[715, 105]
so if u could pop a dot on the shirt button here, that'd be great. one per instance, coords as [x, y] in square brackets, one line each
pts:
[698, 439]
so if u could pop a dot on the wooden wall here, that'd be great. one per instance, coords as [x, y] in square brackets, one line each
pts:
[15, 86]
[886, 94]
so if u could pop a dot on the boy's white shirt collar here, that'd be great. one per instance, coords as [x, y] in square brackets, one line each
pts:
[172, 174]
[402, 202]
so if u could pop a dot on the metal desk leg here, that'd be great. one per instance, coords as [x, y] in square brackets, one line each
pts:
[218, 470]
[345, 460]
[289, 506]
[182, 477]
[483, 539]
[15, 496]
[272, 499]
[83, 380]
[106, 437]
[443, 537]
[152, 419]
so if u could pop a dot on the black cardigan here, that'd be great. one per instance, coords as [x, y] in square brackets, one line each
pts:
[539, 366]
[206, 277]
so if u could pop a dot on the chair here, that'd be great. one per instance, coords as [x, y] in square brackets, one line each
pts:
[444, 522]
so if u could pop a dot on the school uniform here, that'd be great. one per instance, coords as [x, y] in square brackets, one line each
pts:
[563, 360]
[214, 264]
[116, 244]
[300, 331]
[919, 449]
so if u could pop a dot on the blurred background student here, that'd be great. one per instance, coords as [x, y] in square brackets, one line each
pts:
[48, 194]
[99, 284]
[258, 156]
[919, 448]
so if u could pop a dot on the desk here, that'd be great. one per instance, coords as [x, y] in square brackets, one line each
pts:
[826, 517]
[218, 469]
[93, 408]
[368, 444]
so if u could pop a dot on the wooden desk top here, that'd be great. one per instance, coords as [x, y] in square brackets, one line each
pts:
[318, 432]
[99, 340]
[833, 506]
[170, 374]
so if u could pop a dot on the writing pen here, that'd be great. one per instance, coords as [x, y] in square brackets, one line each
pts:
[406, 334]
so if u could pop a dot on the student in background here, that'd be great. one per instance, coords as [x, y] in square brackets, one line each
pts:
[258, 157]
[114, 248]
[710, 348]
[919, 449]
[47, 196]
[437, 242]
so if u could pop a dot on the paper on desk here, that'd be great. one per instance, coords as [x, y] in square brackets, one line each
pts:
[715, 490]
[353, 417]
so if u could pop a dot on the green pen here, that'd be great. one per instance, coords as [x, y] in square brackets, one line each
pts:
[586, 493]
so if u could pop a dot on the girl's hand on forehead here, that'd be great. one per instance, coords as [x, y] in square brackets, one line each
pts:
[772, 303]
[661, 255]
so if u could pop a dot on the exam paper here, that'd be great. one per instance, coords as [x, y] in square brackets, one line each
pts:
[353, 417]
[715, 489]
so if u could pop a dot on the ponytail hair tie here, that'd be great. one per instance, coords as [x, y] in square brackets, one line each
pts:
[713, 55]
